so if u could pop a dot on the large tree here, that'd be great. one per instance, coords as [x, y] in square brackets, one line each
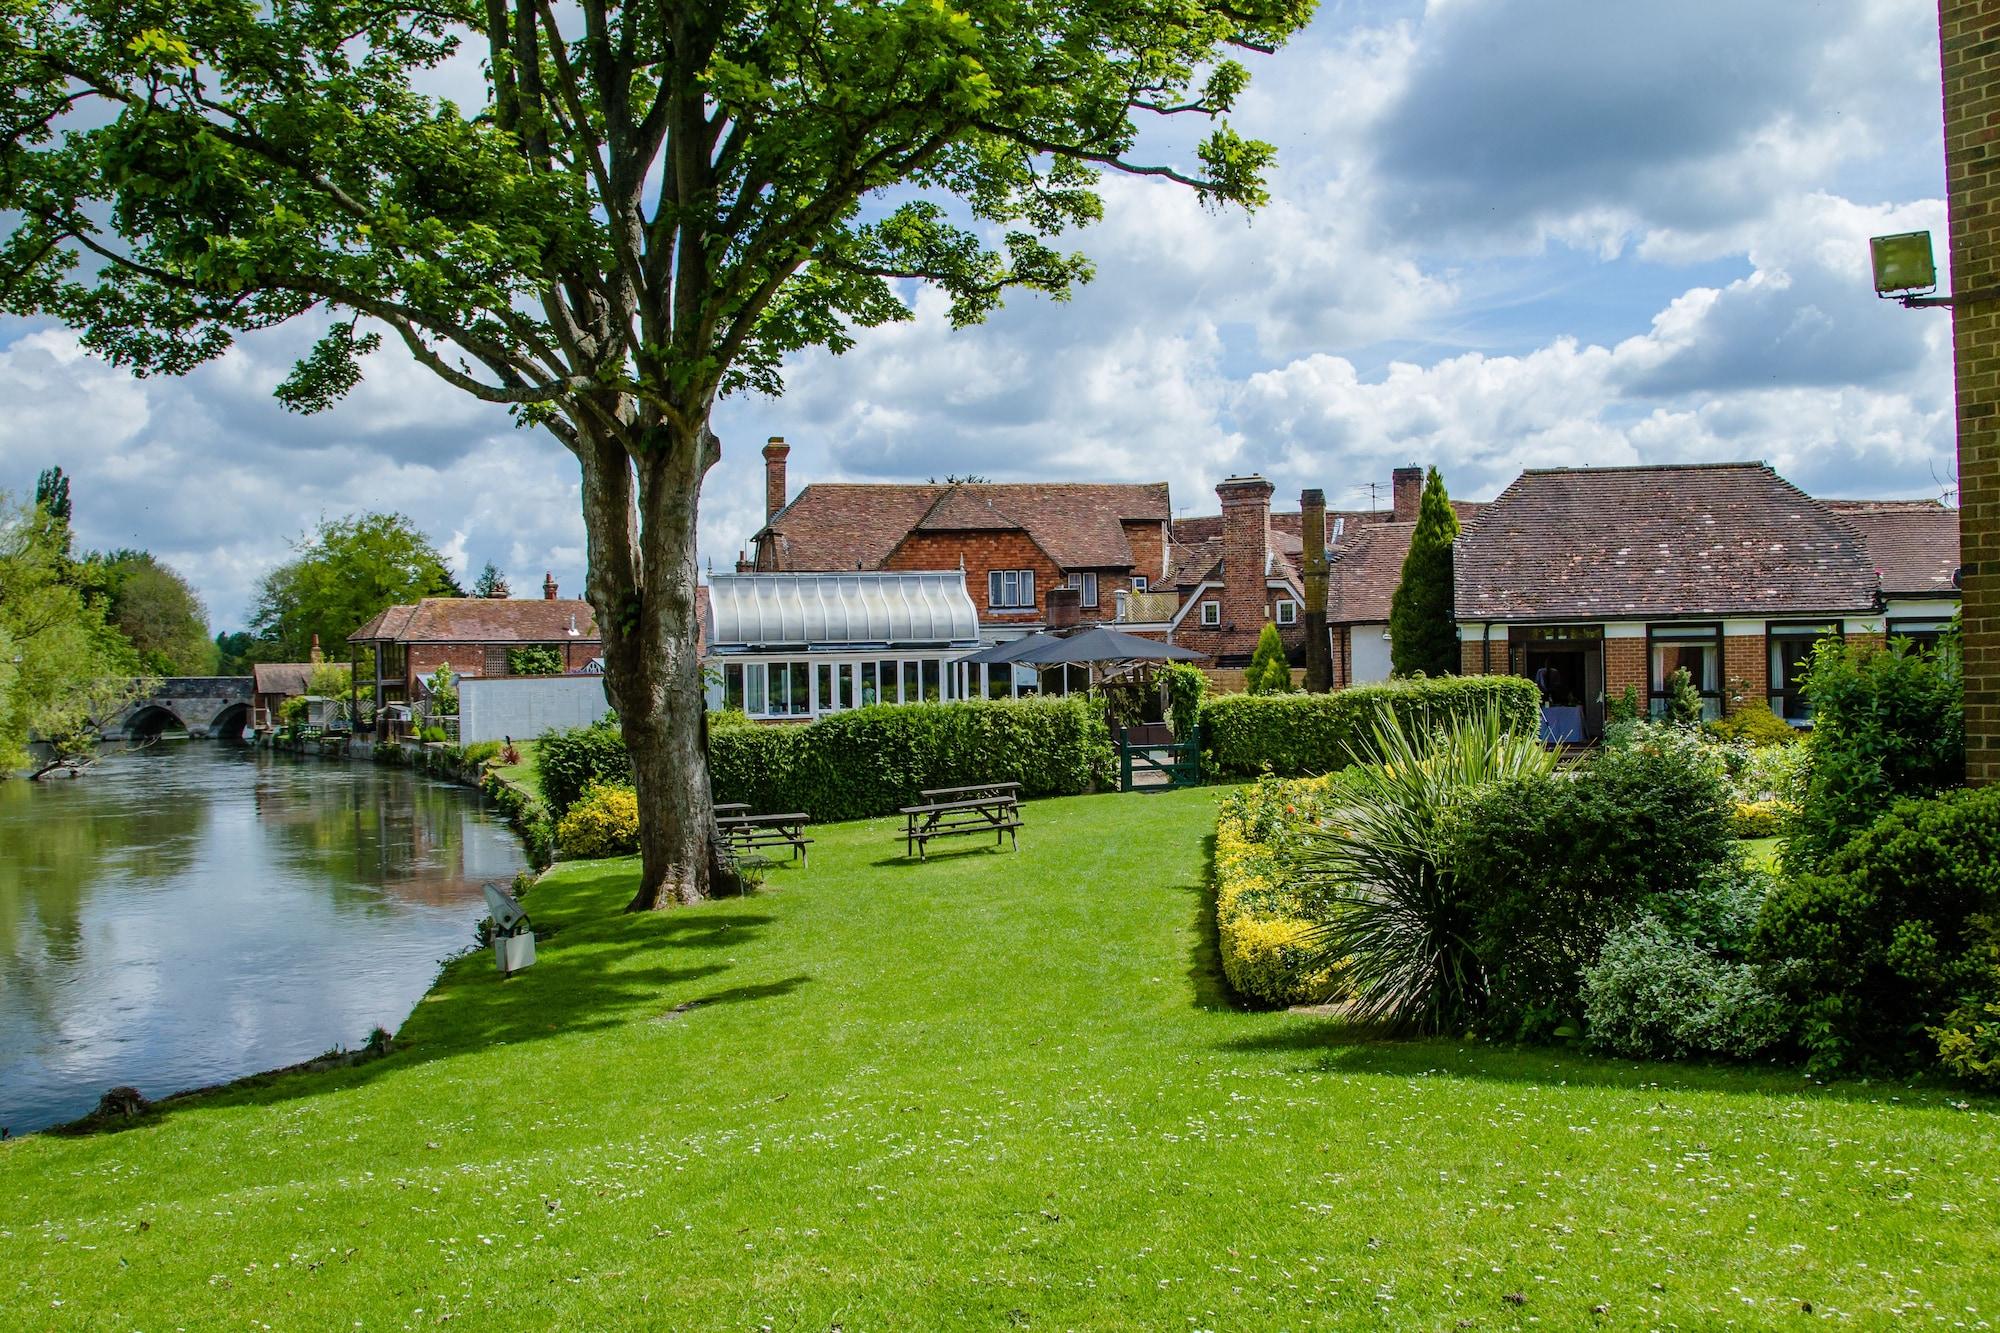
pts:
[1423, 631]
[650, 205]
[340, 577]
[157, 610]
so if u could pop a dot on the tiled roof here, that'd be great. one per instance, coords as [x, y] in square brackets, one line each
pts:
[1913, 543]
[1193, 562]
[1366, 568]
[1703, 539]
[838, 526]
[482, 620]
[287, 678]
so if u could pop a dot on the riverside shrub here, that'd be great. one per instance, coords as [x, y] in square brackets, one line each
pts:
[1294, 735]
[603, 821]
[1896, 938]
[1264, 913]
[569, 759]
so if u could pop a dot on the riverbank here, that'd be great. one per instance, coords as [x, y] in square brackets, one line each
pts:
[990, 1090]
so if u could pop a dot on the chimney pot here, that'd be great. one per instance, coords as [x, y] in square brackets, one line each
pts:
[743, 565]
[1408, 489]
[775, 450]
[548, 585]
[1065, 607]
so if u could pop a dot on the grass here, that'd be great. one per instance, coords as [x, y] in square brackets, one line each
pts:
[991, 1091]
[522, 774]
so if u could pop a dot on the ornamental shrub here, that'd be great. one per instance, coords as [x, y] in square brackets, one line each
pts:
[1554, 864]
[1295, 735]
[1756, 819]
[1683, 699]
[1968, 1042]
[1624, 708]
[1423, 635]
[569, 759]
[1270, 672]
[1753, 722]
[1656, 994]
[1264, 913]
[1895, 935]
[1186, 687]
[479, 752]
[603, 821]
[1887, 723]
[540, 659]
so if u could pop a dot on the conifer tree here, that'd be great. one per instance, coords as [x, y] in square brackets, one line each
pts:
[1269, 672]
[1423, 633]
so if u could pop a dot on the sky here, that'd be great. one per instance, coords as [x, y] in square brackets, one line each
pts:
[1502, 234]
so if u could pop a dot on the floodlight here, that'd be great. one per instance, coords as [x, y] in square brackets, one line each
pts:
[1903, 263]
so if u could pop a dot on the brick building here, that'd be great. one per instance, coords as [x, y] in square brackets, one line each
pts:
[1595, 580]
[1969, 45]
[474, 636]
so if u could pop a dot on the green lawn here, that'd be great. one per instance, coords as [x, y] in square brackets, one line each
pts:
[523, 773]
[993, 1091]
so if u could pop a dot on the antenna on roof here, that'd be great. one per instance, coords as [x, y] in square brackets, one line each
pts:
[1374, 489]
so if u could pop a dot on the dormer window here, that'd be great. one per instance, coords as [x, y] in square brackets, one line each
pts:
[1211, 613]
[1288, 611]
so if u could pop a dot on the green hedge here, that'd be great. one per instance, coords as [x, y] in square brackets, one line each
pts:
[873, 761]
[1298, 734]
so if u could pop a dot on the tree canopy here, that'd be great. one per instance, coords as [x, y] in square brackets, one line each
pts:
[1423, 631]
[649, 204]
[491, 583]
[157, 610]
[62, 668]
[341, 576]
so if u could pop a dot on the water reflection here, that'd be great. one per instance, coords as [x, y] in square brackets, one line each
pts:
[192, 913]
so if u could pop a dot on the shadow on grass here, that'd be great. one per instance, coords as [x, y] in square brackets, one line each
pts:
[599, 967]
[1209, 987]
[1344, 1047]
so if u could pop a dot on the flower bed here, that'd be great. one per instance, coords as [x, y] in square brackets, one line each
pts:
[1261, 912]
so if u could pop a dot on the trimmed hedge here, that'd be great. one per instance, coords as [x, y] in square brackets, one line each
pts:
[1298, 734]
[1261, 911]
[873, 761]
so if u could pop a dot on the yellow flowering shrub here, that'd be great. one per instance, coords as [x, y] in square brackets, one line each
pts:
[1261, 914]
[604, 821]
[1756, 819]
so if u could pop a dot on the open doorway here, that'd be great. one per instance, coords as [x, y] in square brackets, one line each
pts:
[1566, 663]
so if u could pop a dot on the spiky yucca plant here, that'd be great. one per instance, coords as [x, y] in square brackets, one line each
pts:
[1396, 914]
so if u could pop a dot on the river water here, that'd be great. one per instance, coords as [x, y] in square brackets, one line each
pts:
[193, 912]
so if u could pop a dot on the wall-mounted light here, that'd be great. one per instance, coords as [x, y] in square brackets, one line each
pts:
[1906, 271]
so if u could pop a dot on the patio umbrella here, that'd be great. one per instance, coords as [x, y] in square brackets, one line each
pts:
[1099, 644]
[1009, 651]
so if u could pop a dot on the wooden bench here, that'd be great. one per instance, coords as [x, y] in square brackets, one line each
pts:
[933, 795]
[997, 812]
[747, 833]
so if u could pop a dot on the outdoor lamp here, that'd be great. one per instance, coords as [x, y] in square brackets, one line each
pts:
[1903, 263]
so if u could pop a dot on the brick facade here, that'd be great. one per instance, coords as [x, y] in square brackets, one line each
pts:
[1149, 551]
[1970, 59]
[986, 551]
[472, 659]
[1625, 665]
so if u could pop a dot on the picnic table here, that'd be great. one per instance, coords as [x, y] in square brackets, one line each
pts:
[747, 832]
[945, 812]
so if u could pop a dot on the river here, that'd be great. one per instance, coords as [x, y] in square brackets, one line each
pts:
[194, 912]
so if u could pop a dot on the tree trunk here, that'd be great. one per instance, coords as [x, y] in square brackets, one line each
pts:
[641, 530]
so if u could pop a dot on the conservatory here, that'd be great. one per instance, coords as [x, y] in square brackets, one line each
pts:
[798, 646]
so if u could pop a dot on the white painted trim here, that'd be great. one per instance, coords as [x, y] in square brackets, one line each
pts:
[1619, 629]
[1193, 600]
[1921, 608]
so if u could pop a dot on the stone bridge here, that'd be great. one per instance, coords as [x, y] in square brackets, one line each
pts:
[202, 706]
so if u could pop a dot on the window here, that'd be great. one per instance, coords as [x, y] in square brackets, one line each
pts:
[1923, 634]
[1086, 587]
[1211, 613]
[1140, 583]
[828, 701]
[1698, 649]
[732, 686]
[753, 688]
[1010, 589]
[1791, 649]
[1288, 611]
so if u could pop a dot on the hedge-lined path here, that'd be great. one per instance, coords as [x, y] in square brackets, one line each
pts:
[990, 1091]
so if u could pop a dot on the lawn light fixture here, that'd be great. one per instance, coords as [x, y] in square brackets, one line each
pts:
[513, 936]
[1906, 271]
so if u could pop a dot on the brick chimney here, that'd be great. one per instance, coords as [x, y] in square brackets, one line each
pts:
[1408, 489]
[1246, 546]
[1064, 606]
[743, 562]
[1312, 538]
[316, 656]
[548, 586]
[775, 450]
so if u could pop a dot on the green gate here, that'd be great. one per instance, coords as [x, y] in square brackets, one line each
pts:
[1179, 760]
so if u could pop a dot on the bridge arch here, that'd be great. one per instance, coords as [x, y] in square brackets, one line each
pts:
[149, 720]
[229, 724]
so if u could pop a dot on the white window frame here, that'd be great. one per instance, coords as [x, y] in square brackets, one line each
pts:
[1211, 613]
[1022, 583]
[1288, 611]
[1085, 585]
[1139, 583]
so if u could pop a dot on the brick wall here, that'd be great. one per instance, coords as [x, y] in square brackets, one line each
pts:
[1149, 549]
[1970, 49]
[1625, 664]
[1746, 670]
[469, 659]
[984, 552]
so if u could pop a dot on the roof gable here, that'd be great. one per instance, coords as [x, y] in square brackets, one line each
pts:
[483, 620]
[1627, 542]
[1913, 544]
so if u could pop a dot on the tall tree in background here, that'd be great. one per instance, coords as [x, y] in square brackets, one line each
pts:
[491, 583]
[652, 205]
[1423, 632]
[62, 669]
[52, 498]
[157, 611]
[342, 575]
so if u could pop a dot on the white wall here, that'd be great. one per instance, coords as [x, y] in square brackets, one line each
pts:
[1371, 653]
[526, 706]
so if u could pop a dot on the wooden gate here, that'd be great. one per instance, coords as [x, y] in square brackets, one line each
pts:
[1178, 761]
